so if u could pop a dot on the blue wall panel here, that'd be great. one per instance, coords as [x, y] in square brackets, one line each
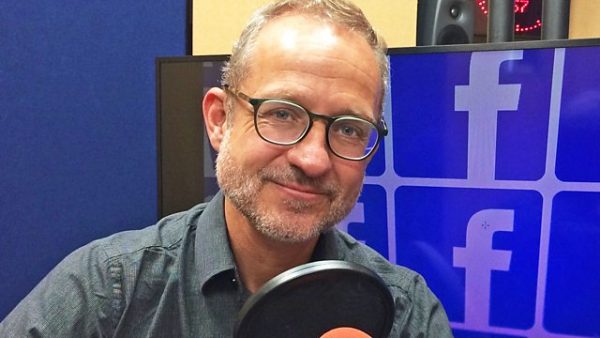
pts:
[77, 126]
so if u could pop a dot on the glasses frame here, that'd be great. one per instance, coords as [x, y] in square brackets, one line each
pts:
[381, 127]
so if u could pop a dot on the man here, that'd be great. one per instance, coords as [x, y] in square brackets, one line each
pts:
[295, 125]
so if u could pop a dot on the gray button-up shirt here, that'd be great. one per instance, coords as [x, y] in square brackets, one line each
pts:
[178, 278]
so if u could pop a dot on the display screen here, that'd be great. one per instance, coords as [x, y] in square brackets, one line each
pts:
[489, 184]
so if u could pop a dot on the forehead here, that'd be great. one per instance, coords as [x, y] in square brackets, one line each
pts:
[301, 56]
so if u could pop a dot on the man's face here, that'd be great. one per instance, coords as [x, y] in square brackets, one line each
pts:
[292, 193]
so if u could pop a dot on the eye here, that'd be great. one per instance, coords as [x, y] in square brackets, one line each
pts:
[355, 130]
[280, 112]
[349, 131]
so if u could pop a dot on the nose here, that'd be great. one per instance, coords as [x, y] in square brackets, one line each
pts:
[312, 155]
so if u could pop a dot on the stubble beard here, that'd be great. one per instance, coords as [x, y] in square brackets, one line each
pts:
[244, 189]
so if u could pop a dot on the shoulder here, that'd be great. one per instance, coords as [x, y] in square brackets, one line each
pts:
[151, 254]
[167, 234]
[418, 310]
[396, 276]
[86, 293]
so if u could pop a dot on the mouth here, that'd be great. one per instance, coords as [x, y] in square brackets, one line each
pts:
[301, 192]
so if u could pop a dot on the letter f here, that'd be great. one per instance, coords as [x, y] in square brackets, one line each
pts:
[479, 259]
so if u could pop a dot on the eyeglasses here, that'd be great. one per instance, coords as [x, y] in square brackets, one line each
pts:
[286, 123]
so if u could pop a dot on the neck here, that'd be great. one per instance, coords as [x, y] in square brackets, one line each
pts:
[258, 257]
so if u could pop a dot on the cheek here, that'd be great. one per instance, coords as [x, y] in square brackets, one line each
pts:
[252, 152]
[351, 175]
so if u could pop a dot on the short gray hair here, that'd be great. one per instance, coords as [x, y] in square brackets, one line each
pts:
[340, 12]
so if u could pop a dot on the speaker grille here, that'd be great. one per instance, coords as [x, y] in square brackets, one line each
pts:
[444, 22]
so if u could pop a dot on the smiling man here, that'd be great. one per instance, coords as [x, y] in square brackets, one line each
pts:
[284, 173]
[295, 124]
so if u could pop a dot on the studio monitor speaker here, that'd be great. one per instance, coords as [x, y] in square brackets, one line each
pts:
[445, 22]
[555, 19]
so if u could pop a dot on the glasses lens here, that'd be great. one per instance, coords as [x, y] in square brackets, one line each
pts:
[281, 122]
[352, 137]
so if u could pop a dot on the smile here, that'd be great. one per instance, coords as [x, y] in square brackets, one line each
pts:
[300, 192]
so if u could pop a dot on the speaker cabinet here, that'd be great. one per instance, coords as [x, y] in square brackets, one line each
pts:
[445, 22]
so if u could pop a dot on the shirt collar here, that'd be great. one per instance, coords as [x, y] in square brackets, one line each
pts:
[213, 253]
[328, 247]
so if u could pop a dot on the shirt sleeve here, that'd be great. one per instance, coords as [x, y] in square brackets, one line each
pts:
[74, 300]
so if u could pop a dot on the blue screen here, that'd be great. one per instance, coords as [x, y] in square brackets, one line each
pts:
[489, 185]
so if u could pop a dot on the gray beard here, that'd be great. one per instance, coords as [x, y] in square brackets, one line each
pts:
[242, 190]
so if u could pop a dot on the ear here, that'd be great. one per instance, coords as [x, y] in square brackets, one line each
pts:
[215, 117]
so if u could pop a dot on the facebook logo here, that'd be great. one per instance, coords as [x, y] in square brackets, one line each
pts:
[480, 231]
[488, 185]
[482, 98]
[482, 116]
[488, 246]
[488, 125]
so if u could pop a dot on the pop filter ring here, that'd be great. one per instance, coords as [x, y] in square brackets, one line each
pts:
[321, 275]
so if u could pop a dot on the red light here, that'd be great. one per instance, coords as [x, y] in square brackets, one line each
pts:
[521, 6]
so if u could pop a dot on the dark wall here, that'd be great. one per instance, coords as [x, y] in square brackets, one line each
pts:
[77, 126]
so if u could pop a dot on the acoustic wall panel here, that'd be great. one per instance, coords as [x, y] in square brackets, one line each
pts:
[77, 127]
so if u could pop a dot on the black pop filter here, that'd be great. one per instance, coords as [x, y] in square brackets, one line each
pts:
[311, 299]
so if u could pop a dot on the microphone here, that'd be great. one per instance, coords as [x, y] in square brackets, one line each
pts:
[345, 332]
